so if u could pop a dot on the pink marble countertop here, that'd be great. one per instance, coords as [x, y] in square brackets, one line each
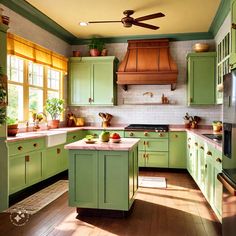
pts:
[125, 144]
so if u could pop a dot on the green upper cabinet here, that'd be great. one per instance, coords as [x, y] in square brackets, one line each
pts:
[232, 59]
[92, 81]
[201, 78]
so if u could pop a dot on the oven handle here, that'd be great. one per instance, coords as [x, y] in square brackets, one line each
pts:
[226, 184]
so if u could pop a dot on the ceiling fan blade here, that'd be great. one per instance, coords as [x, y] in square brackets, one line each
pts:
[105, 21]
[149, 17]
[146, 25]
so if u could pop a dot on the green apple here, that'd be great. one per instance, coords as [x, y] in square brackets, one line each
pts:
[104, 136]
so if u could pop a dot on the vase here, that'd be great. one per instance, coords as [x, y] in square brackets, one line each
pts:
[12, 130]
[104, 52]
[53, 124]
[76, 53]
[94, 52]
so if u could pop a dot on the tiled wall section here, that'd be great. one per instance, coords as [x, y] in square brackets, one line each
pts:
[171, 114]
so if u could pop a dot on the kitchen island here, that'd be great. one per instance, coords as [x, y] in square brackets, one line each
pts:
[103, 175]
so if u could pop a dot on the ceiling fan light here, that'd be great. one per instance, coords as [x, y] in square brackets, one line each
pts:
[83, 23]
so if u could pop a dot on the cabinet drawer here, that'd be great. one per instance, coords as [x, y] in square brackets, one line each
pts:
[153, 145]
[75, 136]
[139, 134]
[16, 148]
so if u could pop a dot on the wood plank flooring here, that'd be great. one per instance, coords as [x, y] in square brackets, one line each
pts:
[178, 210]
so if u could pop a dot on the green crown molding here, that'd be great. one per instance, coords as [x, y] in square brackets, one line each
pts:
[172, 37]
[34, 15]
[222, 12]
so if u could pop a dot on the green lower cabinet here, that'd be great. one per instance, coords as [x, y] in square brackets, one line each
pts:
[34, 168]
[141, 159]
[177, 150]
[103, 179]
[17, 173]
[83, 179]
[24, 170]
[55, 160]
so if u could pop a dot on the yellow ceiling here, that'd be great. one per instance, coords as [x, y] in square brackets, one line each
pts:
[182, 16]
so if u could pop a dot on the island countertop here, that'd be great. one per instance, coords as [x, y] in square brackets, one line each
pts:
[125, 144]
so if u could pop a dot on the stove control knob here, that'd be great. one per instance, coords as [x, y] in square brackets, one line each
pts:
[145, 133]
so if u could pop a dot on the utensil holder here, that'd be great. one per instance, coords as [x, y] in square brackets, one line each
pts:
[105, 124]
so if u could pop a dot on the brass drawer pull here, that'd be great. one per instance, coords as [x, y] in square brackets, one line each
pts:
[20, 148]
[147, 155]
[205, 166]
[161, 135]
[144, 142]
[35, 145]
[196, 144]
[27, 158]
[209, 153]
[58, 150]
[201, 147]
[74, 137]
[219, 160]
[144, 155]
[233, 26]
[188, 146]
[189, 139]
[176, 136]
[147, 143]
[145, 133]
[131, 134]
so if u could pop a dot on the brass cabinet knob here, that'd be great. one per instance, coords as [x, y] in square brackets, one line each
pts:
[160, 134]
[35, 145]
[131, 134]
[144, 155]
[205, 166]
[233, 26]
[189, 139]
[176, 136]
[201, 147]
[209, 153]
[188, 146]
[20, 148]
[219, 160]
[27, 158]
[144, 142]
[74, 137]
[58, 150]
[196, 144]
[145, 133]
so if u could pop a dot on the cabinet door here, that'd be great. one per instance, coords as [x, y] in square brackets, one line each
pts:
[190, 153]
[202, 173]
[102, 89]
[209, 181]
[17, 173]
[80, 77]
[157, 159]
[51, 162]
[83, 176]
[177, 150]
[33, 167]
[141, 159]
[233, 36]
[113, 180]
[201, 79]
[63, 158]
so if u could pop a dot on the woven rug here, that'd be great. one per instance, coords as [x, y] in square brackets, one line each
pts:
[152, 182]
[40, 199]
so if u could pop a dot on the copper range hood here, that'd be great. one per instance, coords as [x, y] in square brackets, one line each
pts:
[147, 62]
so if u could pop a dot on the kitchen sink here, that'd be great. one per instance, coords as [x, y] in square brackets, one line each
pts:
[214, 137]
[53, 138]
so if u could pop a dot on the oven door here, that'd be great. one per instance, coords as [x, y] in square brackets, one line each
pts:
[229, 206]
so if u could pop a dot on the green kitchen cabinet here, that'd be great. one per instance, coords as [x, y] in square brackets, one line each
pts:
[103, 179]
[24, 170]
[55, 160]
[232, 59]
[17, 173]
[177, 150]
[83, 179]
[153, 148]
[201, 78]
[92, 81]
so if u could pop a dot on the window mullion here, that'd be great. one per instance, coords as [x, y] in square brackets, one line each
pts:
[26, 91]
[45, 86]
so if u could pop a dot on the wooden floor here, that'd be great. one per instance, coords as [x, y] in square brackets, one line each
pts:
[178, 210]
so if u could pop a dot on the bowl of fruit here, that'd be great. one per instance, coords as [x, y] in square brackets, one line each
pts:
[115, 138]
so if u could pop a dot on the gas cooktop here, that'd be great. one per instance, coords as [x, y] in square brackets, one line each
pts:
[215, 137]
[148, 127]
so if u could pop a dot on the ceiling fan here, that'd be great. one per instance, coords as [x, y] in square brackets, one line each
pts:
[128, 21]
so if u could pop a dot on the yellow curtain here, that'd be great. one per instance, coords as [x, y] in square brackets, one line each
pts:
[31, 51]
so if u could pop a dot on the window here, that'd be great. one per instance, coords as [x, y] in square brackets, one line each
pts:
[29, 85]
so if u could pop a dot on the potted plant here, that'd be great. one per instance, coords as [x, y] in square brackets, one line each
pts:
[12, 126]
[96, 45]
[54, 107]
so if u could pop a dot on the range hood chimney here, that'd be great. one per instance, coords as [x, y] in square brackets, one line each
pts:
[148, 62]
